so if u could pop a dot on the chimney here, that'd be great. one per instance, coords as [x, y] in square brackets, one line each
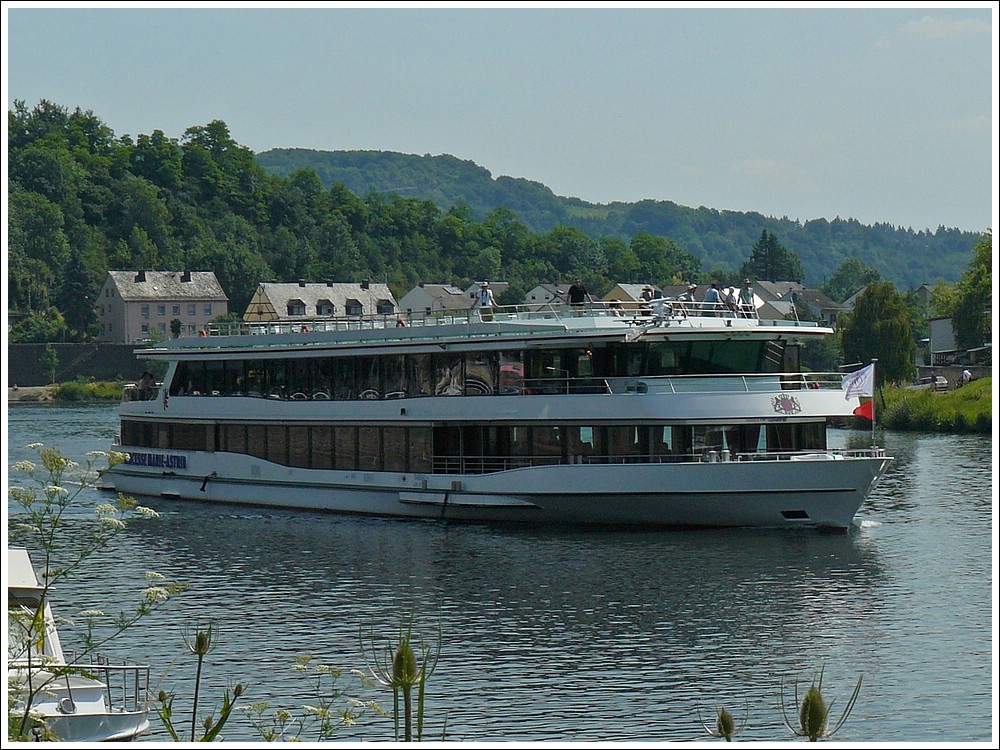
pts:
[329, 283]
[302, 282]
[186, 276]
[140, 276]
[365, 284]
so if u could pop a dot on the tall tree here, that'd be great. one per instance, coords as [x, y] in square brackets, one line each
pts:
[77, 298]
[970, 316]
[879, 328]
[771, 261]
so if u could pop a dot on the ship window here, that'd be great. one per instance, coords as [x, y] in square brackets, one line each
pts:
[421, 374]
[325, 308]
[396, 451]
[367, 377]
[257, 440]
[300, 378]
[450, 378]
[343, 381]
[384, 307]
[370, 449]
[189, 437]
[511, 373]
[235, 438]
[546, 441]
[296, 307]
[277, 444]
[299, 449]
[481, 373]
[322, 447]
[345, 446]
[275, 378]
[353, 307]
[394, 376]
[420, 447]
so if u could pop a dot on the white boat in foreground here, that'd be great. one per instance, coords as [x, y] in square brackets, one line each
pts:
[659, 417]
[92, 702]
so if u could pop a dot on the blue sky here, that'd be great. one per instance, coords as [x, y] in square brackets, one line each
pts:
[882, 114]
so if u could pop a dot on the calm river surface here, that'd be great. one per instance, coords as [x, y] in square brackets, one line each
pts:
[569, 635]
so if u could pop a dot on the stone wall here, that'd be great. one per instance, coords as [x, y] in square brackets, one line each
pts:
[26, 363]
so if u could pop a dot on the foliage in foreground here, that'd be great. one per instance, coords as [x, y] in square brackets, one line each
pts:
[43, 495]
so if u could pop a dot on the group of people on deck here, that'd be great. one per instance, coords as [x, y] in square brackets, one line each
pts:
[732, 302]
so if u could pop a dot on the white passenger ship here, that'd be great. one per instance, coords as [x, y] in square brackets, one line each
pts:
[653, 417]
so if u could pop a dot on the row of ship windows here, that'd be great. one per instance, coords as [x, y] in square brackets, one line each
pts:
[577, 369]
[470, 448]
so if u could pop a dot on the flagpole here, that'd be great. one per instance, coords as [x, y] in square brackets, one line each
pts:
[874, 381]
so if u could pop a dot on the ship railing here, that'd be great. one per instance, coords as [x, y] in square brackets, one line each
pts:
[637, 313]
[711, 383]
[126, 686]
[492, 464]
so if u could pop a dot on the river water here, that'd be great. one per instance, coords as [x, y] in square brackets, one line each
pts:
[560, 635]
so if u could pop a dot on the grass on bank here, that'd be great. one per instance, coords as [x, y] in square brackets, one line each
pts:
[88, 390]
[968, 409]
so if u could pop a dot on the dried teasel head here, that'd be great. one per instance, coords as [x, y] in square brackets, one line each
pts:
[813, 714]
[725, 725]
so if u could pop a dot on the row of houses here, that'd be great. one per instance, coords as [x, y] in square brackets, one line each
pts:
[135, 306]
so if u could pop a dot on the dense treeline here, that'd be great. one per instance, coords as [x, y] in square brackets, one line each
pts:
[719, 239]
[83, 201]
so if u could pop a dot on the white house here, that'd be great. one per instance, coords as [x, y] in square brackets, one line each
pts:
[427, 299]
[135, 305]
[546, 294]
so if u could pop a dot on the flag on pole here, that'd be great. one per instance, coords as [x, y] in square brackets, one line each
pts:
[866, 410]
[859, 383]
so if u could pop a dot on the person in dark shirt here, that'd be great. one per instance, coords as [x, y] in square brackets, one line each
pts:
[578, 293]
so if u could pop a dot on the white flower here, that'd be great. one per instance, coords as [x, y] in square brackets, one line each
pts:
[142, 510]
[55, 489]
[150, 575]
[25, 466]
[113, 523]
[156, 594]
[33, 446]
[91, 613]
[105, 509]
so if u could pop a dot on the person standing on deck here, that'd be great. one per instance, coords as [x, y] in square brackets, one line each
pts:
[712, 301]
[485, 301]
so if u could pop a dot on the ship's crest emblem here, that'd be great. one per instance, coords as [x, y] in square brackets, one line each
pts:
[785, 404]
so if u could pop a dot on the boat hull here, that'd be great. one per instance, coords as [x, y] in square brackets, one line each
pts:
[818, 490]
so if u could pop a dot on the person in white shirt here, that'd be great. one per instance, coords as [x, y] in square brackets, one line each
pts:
[485, 301]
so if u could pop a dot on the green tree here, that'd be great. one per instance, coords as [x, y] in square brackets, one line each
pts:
[50, 360]
[850, 278]
[771, 261]
[879, 328]
[77, 299]
[970, 316]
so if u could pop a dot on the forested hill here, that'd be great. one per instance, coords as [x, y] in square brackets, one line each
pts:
[719, 239]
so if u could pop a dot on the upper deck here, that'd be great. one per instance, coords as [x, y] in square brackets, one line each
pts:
[598, 320]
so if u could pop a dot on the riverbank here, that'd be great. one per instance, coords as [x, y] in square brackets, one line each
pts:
[968, 409]
[31, 394]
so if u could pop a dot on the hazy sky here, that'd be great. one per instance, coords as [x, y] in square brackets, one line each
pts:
[882, 114]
